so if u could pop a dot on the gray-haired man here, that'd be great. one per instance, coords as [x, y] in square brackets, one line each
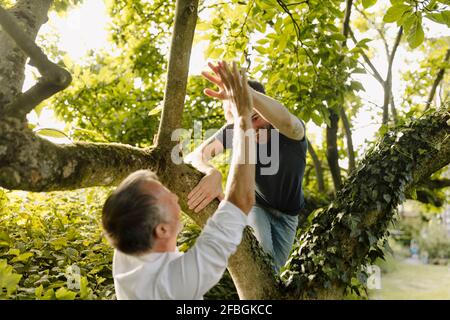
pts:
[141, 219]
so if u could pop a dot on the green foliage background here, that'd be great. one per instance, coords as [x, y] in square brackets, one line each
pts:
[116, 96]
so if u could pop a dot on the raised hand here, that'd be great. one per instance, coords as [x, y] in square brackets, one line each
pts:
[236, 88]
[209, 188]
[215, 79]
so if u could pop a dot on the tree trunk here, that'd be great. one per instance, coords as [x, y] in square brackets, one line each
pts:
[317, 167]
[394, 110]
[332, 150]
[178, 68]
[348, 135]
[438, 80]
[387, 85]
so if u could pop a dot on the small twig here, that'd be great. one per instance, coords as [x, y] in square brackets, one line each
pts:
[376, 74]
[386, 46]
[437, 80]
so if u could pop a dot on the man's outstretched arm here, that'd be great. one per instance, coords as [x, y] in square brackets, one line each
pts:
[278, 115]
[270, 109]
[200, 268]
[210, 186]
[240, 188]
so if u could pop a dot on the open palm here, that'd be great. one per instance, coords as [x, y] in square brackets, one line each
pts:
[216, 79]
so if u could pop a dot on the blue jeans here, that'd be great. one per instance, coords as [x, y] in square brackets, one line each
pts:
[275, 232]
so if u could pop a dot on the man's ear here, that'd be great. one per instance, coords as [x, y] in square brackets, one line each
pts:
[162, 231]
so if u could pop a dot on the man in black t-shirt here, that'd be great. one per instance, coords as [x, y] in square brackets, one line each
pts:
[280, 165]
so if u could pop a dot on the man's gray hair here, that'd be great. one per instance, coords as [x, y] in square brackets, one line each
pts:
[130, 214]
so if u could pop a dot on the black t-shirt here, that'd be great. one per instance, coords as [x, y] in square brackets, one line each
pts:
[279, 173]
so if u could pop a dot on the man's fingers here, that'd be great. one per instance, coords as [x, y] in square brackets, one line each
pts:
[198, 201]
[194, 195]
[210, 77]
[196, 189]
[245, 82]
[203, 204]
[224, 76]
[213, 67]
[213, 94]
[236, 75]
[229, 75]
[199, 197]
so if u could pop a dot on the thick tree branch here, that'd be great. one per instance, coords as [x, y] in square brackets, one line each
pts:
[178, 68]
[30, 15]
[54, 78]
[438, 80]
[28, 162]
[428, 196]
[436, 183]
[28, 100]
[342, 235]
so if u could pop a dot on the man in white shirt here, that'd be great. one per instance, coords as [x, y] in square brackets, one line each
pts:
[141, 219]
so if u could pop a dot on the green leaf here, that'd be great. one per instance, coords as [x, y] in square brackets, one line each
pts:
[283, 41]
[387, 197]
[23, 257]
[261, 49]
[395, 12]
[85, 291]
[38, 292]
[446, 17]
[14, 252]
[8, 279]
[356, 85]
[363, 42]
[156, 110]
[416, 35]
[64, 294]
[407, 22]
[368, 3]
[317, 119]
[337, 37]
[50, 132]
[436, 17]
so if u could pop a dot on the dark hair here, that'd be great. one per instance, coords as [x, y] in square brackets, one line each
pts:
[257, 86]
[130, 215]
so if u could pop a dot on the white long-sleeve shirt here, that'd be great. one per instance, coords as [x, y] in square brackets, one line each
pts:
[174, 275]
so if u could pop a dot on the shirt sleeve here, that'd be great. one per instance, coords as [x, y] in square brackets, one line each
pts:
[191, 275]
[225, 136]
